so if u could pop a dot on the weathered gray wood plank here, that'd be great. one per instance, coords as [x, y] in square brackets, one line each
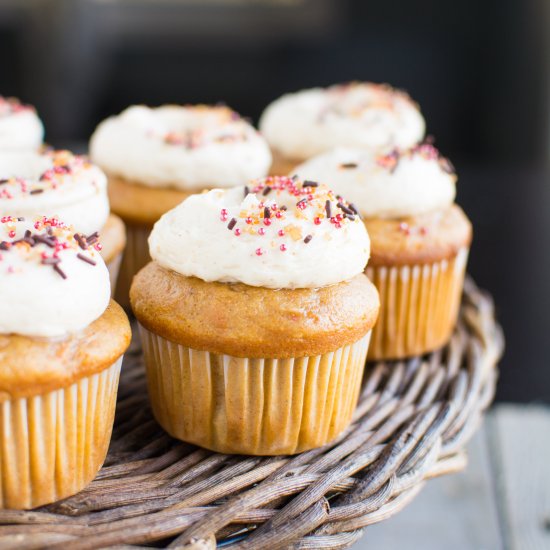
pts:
[454, 512]
[520, 448]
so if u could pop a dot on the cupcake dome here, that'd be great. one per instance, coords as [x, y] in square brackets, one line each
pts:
[398, 183]
[54, 183]
[183, 147]
[53, 281]
[20, 127]
[278, 232]
[371, 116]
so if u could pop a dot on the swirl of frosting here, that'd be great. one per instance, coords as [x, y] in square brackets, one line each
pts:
[54, 183]
[20, 127]
[371, 116]
[185, 147]
[278, 233]
[52, 281]
[395, 184]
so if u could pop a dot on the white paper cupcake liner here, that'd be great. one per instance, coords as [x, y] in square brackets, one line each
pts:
[136, 255]
[252, 406]
[52, 445]
[418, 306]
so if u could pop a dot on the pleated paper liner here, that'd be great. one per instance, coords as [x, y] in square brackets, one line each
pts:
[53, 445]
[252, 406]
[136, 255]
[114, 268]
[418, 306]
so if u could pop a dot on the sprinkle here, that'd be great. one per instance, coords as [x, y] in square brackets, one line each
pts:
[345, 209]
[348, 165]
[246, 191]
[308, 183]
[328, 209]
[282, 248]
[267, 221]
[4, 245]
[259, 251]
[308, 238]
[20, 219]
[3, 181]
[248, 220]
[266, 190]
[317, 221]
[232, 224]
[37, 191]
[353, 208]
[237, 232]
[261, 231]
[267, 213]
[60, 271]
[350, 217]
[281, 232]
[50, 261]
[85, 259]
[283, 208]
[48, 241]
[78, 238]
[301, 204]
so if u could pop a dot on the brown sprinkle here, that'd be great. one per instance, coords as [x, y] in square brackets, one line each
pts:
[79, 239]
[345, 209]
[308, 238]
[37, 191]
[266, 190]
[328, 209]
[85, 259]
[348, 165]
[231, 223]
[267, 213]
[57, 269]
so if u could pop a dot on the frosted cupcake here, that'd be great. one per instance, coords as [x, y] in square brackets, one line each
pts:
[255, 317]
[156, 157]
[420, 240]
[61, 346]
[371, 116]
[20, 127]
[58, 183]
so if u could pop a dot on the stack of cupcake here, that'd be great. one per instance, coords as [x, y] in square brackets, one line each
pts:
[253, 293]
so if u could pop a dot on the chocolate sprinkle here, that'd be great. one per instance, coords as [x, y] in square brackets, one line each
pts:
[328, 209]
[349, 216]
[302, 201]
[267, 213]
[246, 190]
[232, 223]
[78, 238]
[50, 261]
[345, 209]
[266, 190]
[308, 238]
[48, 241]
[85, 259]
[20, 219]
[3, 180]
[308, 183]
[353, 208]
[60, 271]
[4, 245]
[348, 165]
[283, 208]
[37, 191]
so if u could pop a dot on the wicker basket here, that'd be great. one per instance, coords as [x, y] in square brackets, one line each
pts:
[412, 422]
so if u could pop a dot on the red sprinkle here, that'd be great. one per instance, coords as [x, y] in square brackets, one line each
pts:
[282, 247]
[259, 251]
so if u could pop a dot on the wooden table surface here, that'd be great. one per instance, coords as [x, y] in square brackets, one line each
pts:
[501, 501]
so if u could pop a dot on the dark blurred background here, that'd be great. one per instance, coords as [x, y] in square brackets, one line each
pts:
[480, 69]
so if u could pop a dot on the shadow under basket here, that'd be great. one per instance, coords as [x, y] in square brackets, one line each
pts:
[412, 422]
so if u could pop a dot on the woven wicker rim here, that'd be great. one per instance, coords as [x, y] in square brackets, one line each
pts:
[412, 422]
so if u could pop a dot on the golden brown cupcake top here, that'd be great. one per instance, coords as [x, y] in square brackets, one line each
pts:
[33, 366]
[419, 239]
[246, 321]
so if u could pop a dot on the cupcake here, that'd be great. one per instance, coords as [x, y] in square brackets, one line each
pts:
[156, 157]
[61, 346]
[60, 184]
[419, 240]
[371, 116]
[255, 317]
[20, 127]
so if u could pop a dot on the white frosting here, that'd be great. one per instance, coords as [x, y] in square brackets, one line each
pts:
[371, 116]
[54, 184]
[20, 127]
[311, 251]
[35, 300]
[398, 184]
[188, 148]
